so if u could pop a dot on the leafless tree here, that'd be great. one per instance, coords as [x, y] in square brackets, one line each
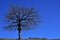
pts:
[21, 18]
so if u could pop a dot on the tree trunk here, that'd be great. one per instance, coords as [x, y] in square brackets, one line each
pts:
[19, 31]
[19, 38]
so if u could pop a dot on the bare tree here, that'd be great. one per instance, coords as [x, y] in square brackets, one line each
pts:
[22, 18]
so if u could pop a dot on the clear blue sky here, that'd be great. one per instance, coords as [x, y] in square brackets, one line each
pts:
[50, 13]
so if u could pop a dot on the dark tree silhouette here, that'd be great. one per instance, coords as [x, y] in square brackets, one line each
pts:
[21, 18]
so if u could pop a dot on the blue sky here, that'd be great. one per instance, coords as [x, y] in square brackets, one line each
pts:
[50, 13]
